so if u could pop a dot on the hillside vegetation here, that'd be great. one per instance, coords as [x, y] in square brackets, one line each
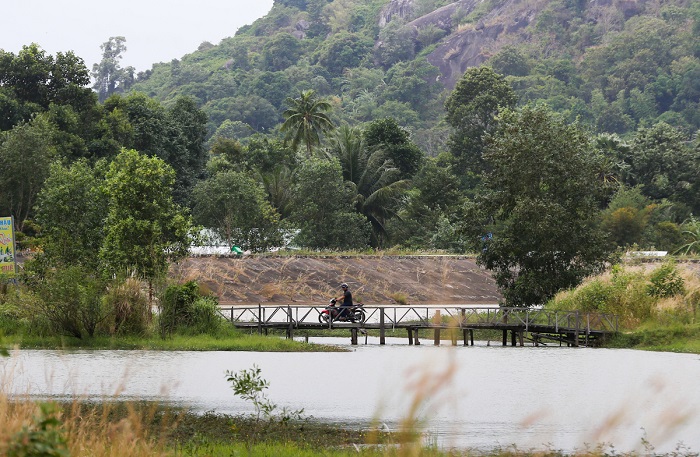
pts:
[615, 65]
[542, 138]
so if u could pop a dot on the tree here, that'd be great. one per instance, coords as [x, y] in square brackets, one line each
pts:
[70, 210]
[306, 119]
[175, 135]
[324, 210]
[373, 180]
[26, 153]
[234, 205]
[664, 165]
[472, 110]
[109, 77]
[253, 110]
[541, 205]
[343, 50]
[280, 52]
[394, 141]
[32, 80]
[144, 228]
[433, 201]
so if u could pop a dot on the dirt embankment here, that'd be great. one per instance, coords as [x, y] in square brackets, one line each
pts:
[313, 280]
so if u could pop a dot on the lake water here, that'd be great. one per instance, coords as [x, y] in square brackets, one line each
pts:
[470, 397]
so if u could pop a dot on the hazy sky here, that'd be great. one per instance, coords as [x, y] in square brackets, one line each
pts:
[155, 30]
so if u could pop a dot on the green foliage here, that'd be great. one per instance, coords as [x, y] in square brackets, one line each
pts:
[32, 80]
[622, 292]
[387, 136]
[250, 385]
[42, 438]
[26, 154]
[666, 281]
[306, 119]
[342, 51]
[109, 77]
[70, 209]
[71, 301]
[235, 206]
[184, 308]
[660, 297]
[472, 110]
[144, 228]
[667, 168]
[373, 181]
[691, 234]
[130, 312]
[541, 204]
[280, 52]
[324, 211]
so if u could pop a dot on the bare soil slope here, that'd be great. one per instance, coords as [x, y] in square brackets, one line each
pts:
[313, 280]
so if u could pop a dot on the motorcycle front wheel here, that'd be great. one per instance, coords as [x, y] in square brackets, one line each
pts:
[359, 316]
[323, 318]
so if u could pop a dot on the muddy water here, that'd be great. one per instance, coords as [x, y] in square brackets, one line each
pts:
[479, 397]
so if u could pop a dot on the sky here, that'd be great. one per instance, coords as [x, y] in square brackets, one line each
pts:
[155, 30]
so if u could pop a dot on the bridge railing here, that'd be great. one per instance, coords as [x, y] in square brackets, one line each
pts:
[467, 316]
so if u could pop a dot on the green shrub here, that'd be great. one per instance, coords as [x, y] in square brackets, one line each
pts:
[130, 310]
[185, 308]
[42, 438]
[70, 301]
[666, 281]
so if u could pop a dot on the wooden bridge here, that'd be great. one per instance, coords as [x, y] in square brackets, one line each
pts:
[572, 328]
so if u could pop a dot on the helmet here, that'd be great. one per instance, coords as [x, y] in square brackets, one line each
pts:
[343, 286]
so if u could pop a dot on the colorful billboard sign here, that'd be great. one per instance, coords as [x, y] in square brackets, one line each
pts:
[7, 246]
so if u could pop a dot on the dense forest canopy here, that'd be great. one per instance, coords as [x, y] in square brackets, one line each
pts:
[501, 128]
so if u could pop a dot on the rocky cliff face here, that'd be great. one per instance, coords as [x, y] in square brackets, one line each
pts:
[472, 44]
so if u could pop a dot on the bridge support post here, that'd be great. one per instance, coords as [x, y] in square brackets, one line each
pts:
[436, 333]
[382, 329]
[505, 337]
[416, 341]
[290, 327]
[410, 336]
[512, 338]
[521, 336]
[468, 335]
[353, 336]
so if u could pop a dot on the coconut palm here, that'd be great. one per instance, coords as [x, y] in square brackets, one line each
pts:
[374, 180]
[305, 120]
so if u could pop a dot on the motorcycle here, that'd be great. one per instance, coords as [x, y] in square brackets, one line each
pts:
[354, 313]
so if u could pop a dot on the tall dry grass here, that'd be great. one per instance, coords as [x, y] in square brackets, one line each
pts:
[29, 428]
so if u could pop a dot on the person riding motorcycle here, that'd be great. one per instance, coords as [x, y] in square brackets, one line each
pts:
[346, 302]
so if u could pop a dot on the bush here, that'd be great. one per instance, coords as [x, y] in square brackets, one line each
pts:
[129, 307]
[70, 300]
[666, 281]
[185, 308]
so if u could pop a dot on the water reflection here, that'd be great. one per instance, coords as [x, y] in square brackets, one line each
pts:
[495, 396]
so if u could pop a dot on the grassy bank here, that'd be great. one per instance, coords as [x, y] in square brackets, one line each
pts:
[224, 340]
[658, 305]
[152, 430]
[677, 338]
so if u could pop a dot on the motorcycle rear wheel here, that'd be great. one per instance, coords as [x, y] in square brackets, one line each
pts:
[359, 316]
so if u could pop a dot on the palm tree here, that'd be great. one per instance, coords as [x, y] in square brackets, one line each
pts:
[691, 233]
[305, 120]
[373, 178]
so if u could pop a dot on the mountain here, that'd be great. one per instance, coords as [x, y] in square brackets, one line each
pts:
[617, 65]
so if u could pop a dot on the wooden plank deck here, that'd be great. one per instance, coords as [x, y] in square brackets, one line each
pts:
[573, 328]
